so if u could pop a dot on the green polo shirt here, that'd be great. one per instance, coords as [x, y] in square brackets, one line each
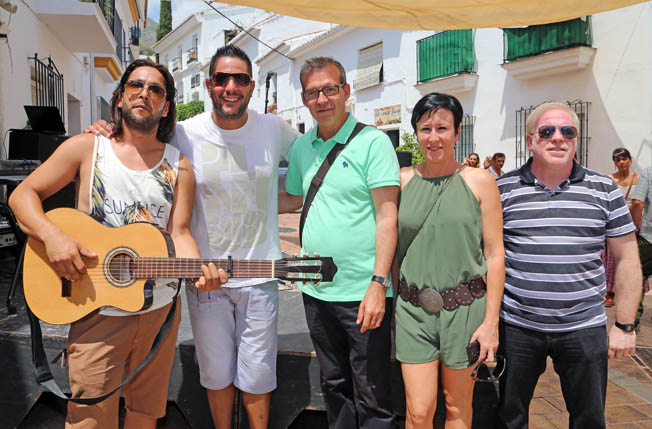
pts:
[342, 219]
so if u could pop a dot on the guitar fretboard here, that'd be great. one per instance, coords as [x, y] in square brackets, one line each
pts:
[147, 267]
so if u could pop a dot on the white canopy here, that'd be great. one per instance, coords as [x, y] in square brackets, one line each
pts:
[436, 14]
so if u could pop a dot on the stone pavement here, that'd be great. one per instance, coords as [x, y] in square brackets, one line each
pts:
[629, 392]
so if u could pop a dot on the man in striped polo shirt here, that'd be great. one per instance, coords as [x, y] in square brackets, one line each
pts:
[556, 216]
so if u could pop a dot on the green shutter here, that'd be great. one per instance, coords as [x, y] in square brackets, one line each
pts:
[446, 53]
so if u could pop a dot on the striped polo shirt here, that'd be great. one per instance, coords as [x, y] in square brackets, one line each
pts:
[554, 278]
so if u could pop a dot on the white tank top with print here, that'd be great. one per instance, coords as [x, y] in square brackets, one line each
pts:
[119, 196]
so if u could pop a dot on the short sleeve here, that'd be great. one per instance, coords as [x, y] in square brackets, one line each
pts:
[294, 181]
[382, 163]
[288, 136]
[620, 220]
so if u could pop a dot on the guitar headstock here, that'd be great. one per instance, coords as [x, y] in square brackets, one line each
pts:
[307, 269]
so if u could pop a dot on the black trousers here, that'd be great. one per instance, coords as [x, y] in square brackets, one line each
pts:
[579, 358]
[355, 367]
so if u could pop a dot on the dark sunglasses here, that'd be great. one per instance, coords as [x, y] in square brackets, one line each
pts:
[329, 91]
[221, 79]
[547, 131]
[133, 87]
[488, 372]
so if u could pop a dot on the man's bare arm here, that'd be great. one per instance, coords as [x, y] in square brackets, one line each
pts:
[56, 172]
[627, 284]
[372, 307]
[637, 213]
[288, 203]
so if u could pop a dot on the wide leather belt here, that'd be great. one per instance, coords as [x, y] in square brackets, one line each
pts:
[448, 299]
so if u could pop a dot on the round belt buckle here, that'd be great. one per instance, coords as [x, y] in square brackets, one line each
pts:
[448, 296]
[463, 295]
[430, 300]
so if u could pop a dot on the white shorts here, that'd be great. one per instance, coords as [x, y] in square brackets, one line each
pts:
[235, 331]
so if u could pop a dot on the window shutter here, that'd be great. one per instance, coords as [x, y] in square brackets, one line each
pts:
[370, 64]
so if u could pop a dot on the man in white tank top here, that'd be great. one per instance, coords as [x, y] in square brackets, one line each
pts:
[131, 177]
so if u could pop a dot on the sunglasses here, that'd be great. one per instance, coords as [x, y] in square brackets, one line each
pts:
[221, 79]
[546, 132]
[488, 372]
[134, 87]
[329, 91]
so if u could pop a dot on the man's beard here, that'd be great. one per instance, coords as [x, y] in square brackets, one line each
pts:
[217, 108]
[146, 125]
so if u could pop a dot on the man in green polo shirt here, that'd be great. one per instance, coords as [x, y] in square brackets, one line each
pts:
[353, 219]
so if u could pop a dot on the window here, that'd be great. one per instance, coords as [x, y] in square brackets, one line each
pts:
[464, 145]
[301, 127]
[194, 81]
[393, 137]
[103, 109]
[370, 67]
[581, 108]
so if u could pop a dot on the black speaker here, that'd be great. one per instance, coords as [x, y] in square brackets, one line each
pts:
[26, 144]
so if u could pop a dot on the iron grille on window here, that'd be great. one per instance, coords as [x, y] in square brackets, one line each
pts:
[192, 55]
[47, 84]
[581, 108]
[464, 145]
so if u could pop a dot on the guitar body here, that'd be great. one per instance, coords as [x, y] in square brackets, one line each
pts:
[106, 282]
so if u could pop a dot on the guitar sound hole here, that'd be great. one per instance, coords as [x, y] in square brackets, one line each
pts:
[117, 267]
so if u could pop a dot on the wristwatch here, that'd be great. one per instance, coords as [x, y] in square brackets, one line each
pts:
[382, 280]
[627, 327]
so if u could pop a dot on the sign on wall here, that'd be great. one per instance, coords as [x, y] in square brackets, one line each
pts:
[387, 115]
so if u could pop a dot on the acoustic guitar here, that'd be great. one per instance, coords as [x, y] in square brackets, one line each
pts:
[129, 258]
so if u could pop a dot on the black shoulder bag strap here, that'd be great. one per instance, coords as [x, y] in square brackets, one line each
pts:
[40, 360]
[318, 179]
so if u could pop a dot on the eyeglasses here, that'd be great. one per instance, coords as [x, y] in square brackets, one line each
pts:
[221, 79]
[488, 372]
[134, 87]
[547, 131]
[329, 91]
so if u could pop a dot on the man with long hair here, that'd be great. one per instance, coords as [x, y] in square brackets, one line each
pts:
[134, 176]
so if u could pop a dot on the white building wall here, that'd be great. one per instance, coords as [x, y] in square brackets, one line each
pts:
[616, 83]
[29, 36]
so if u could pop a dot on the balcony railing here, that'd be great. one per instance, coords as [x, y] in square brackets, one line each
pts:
[445, 54]
[47, 84]
[176, 64]
[192, 55]
[538, 39]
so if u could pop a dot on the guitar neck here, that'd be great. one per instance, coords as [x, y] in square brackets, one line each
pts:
[146, 267]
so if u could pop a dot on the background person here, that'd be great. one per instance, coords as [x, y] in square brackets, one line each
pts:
[450, 236]
[473, 160]
[642, 216]
[626, 180]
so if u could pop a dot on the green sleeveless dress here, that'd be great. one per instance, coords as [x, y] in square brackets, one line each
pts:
[447, 252]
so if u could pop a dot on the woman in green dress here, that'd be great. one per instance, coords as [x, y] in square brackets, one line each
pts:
[450, 253]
